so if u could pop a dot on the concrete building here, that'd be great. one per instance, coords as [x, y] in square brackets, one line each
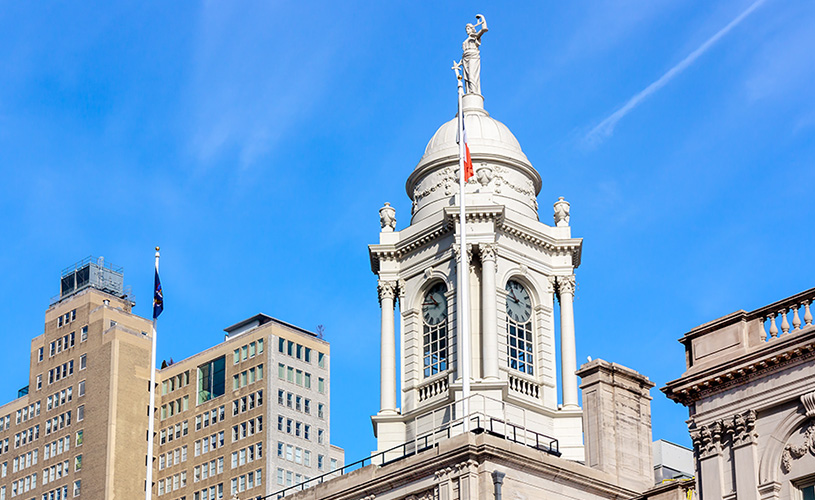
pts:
[248, 416]
[750, 391]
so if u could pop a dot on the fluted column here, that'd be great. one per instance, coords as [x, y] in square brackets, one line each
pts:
[489, 316]
[387, 380]
[568, 353]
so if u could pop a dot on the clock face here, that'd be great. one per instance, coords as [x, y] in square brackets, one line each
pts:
[434, 305]
[519, 305]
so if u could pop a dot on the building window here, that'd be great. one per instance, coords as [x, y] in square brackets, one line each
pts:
[83, 334]
[520, 350]
[39, 354]
[83, 362]
[77, 488]
[434, 340]
[211, 379]
[808, 491]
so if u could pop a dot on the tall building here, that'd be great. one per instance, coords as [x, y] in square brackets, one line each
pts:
[248, 416]
[523, 435]
[749, 387]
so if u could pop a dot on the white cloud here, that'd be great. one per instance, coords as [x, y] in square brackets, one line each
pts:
[605, 128]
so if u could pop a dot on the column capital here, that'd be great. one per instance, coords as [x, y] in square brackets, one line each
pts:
[565, 284]
[457, 252]
[551, 284]
[488, 251]
[386, 289]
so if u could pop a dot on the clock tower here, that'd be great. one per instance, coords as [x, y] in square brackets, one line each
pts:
[521, 290]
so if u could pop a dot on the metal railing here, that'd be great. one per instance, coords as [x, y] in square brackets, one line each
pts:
[477, 422]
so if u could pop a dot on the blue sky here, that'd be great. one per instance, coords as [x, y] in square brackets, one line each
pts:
[255, 142]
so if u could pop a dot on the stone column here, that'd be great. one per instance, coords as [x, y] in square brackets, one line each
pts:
[489, 317]
[745, 455]
[387, 380]
[708, 441]
[568, 353]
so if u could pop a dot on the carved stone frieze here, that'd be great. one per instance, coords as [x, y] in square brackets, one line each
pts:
[445, 179]
[527, 189]
[551, 284]
[795, 452]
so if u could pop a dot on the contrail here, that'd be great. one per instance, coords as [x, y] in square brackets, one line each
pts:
[606, 127]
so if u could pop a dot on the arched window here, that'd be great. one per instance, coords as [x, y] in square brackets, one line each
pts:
[435, 347]
[520, 345]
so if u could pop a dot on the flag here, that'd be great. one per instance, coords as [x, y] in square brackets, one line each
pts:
[158, 297]
[468, 162]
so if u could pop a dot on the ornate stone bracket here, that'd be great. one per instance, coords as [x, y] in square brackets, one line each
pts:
[808, 400]
[708, 439]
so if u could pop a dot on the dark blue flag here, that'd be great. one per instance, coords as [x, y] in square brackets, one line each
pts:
[158, 298]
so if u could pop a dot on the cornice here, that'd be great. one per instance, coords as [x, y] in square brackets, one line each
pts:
[773, 356]
[378, 253]
[573, 246]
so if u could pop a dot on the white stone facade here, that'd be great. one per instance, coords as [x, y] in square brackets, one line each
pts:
[506, 241]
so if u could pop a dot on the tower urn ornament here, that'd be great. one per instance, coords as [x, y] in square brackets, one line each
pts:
[471, 55]
[387, 218]
[562, 212]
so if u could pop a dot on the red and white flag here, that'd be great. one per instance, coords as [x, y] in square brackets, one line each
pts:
[468, 162]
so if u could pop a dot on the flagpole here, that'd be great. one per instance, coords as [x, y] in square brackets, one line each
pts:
[151, 410]
[464, 269]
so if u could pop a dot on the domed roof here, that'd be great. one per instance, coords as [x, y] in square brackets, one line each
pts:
[481, 129]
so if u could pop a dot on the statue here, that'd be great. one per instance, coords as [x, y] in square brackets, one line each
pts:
[471, 56]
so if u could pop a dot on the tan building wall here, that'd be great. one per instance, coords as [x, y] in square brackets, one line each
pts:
[750, 391]
[98, 370]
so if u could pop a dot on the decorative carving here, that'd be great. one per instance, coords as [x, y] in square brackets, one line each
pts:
[562, 212]
[795, 452]
[551, 283]
[424, 495]
[808, 400]
[400, 289]
[528, 189]
[457, 252]
[484, 174]
[565, 284]
[387, 218]
[744, 426]
[447, 181]
[387, 290]
[428, 273]
[471, 55]
[488, 251]
[523, 269]
[707, 439]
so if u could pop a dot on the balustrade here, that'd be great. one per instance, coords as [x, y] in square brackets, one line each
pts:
[434, 388]
[525, 387]
[785, 316]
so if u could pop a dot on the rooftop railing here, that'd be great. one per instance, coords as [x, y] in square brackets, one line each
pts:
[476, 422]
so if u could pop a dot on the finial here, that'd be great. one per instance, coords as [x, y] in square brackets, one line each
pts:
[157, 249]
[562, 212]
[471, 55]
[387, 218]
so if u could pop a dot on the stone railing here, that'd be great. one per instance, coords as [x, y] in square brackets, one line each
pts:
[524, 387]
[784, 316]
[432, 389]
